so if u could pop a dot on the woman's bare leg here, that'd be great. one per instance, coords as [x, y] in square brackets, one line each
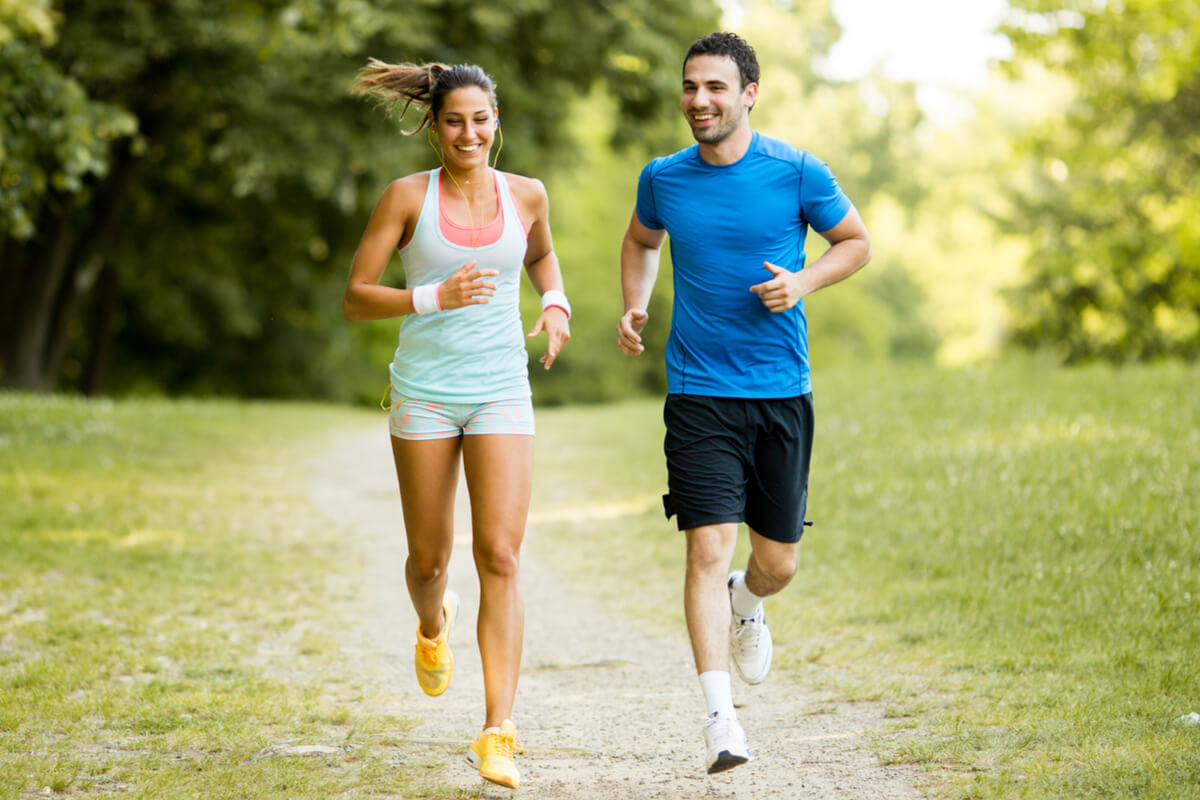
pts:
[427, 471]
[499, 470]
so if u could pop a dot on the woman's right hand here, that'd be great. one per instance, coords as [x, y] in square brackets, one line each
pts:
[466, 288]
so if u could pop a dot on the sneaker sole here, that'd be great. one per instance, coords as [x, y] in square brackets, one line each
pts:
[437, 691]
[474, 761]
[726, 760]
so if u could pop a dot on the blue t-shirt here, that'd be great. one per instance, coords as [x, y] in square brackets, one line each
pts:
[724, 221]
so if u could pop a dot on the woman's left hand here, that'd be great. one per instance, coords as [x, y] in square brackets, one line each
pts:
[554, 322]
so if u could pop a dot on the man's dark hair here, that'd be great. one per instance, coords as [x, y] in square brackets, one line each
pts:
[732, 45]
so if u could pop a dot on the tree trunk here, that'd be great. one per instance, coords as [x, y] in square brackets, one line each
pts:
[51, 297]
[108, 202]
[100, 344]
[75, 286]
[12, 275]
[25, 359]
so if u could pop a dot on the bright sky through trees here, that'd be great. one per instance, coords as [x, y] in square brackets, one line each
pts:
[943, 45]
[936, 42]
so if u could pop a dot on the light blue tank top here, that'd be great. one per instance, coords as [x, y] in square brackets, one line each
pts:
[473, 354]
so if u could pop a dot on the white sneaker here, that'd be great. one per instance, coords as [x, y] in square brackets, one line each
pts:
[724, 743]
[750, 645]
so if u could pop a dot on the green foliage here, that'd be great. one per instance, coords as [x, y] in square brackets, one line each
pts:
[31, 18]
[881, 319]
[229, 211]
[184, 184]
[53, 137]
[1110, 199]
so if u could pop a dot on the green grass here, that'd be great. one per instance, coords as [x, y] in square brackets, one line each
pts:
[164, 610]
[1008, 558]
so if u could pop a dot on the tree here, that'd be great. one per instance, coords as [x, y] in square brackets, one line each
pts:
[1111, 201]
[54, 139]
[184, 182]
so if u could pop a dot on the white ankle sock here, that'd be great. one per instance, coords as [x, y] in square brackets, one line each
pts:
[745, 602]
[718, 692]
[492, 729]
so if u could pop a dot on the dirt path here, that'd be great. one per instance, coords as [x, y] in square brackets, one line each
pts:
[604, 709]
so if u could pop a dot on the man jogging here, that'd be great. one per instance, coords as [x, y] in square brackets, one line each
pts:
[737, 207]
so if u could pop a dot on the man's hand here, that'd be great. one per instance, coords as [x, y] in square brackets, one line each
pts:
[782, 291]
[629, 331]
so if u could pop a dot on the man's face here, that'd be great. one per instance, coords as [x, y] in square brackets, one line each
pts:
[714, 102]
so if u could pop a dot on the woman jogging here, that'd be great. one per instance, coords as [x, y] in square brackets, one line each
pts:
[459, 378]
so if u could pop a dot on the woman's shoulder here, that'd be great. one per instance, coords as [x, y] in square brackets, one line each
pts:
[528, 191]
[407, 193]
[414, 184]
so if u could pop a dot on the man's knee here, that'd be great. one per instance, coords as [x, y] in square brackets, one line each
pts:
[779, 568]
[775, 563]
[711, 548]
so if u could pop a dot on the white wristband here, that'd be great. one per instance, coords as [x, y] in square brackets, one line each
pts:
[425, 298]
[554, 297]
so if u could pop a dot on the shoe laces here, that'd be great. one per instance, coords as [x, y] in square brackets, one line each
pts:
[748, 631]
[503, 744]
[429, 651]
[718, 724]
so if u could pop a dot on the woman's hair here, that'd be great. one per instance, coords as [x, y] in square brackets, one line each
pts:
[424, 84]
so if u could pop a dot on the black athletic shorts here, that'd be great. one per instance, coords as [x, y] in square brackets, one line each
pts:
[731, 459]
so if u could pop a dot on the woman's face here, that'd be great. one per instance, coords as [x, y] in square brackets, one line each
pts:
[465, 127]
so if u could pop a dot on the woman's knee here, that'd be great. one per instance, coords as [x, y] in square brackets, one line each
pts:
[426, 569]
[499, 558]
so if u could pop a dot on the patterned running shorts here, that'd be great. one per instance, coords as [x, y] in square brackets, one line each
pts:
[410, 418]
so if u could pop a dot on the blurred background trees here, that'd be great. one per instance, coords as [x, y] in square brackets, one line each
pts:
[1109, 198]
[183, 184]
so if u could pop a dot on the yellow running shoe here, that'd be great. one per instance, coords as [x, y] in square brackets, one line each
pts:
[492, 755]
[434, 661]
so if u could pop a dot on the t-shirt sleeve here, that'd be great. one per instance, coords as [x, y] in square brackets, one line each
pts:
[822, 201]
[647, 212]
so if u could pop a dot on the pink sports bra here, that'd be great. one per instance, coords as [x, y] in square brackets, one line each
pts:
[468, 236]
